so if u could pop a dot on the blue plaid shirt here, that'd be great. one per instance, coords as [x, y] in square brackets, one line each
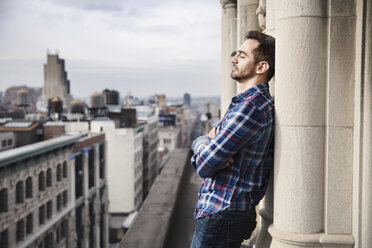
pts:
[245, 134]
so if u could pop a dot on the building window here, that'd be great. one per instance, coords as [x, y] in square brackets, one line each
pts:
[10, 142]
[49, 178]
[42, 215]
[19, 192]
[41, 181]
[59, 202]
[65, 200]
[91, 168]
[64, 229]
[64, 170]
[79, 176]
[101, 161]
[29, 187]
[58, 236]
[49, 209]
[59, 172]
[29, 223]
[48, 240]
[79, 225]
[4, 239]
[3, 200]
[3, 143]
[20, 230]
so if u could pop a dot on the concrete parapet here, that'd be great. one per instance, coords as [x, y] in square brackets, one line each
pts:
[151, 226]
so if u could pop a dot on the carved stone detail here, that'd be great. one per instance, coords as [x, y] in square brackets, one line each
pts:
[261, 14]
[227, 2]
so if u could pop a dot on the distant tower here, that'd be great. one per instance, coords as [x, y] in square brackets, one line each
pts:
[56, 83]
[187, 99]
[162, 100]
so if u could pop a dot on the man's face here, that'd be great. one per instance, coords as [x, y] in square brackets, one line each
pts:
[244, 62]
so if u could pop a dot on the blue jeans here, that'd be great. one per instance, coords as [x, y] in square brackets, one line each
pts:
[224, 230]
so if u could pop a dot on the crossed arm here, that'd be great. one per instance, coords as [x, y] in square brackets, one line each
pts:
[216, 151]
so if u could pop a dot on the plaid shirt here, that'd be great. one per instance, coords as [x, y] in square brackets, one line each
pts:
[245, 134]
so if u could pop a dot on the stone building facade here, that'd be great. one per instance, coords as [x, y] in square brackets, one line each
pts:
[90, 192]
[320, 193]
[36, 203]
[37, 195]
[124, 165]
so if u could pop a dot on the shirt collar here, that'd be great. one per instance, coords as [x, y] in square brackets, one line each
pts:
[251, 91]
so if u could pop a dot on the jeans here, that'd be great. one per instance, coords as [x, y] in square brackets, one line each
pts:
[224, 230]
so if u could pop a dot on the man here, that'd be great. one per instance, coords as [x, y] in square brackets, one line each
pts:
[235, 158]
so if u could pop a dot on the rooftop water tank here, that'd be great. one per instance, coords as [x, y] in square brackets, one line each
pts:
[22, 98]
[77, 106]
[97, 100]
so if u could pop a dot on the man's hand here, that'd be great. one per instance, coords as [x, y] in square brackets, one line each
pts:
[228, 163]
[213, 132]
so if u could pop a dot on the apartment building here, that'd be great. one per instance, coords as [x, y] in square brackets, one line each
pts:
[6, 140]
[90, 191]
[124, 165]
[148, 116]
[38, 203]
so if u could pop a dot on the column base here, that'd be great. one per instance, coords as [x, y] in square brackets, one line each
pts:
[263, 237]
[315, 240]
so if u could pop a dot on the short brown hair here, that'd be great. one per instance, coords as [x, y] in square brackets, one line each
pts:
[265, 51]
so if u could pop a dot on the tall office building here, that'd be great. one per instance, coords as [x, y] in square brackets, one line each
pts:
[56, 83]
[187, 99]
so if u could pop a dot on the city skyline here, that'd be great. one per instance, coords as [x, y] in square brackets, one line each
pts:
[159, 47]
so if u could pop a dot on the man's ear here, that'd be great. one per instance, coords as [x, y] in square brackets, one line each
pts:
[262, 67]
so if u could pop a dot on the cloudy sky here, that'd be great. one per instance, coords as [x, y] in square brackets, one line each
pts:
[142, 47]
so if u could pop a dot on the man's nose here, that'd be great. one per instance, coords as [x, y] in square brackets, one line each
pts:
[233, 55]
[234, 59]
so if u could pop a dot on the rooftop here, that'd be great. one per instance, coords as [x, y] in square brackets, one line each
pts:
[20, 153]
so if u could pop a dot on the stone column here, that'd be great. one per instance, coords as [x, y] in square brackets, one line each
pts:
[267, 21]
[366, 214]
[314, 107]
[247, 19]
[228, 45]
[300, 123]
[338, 163]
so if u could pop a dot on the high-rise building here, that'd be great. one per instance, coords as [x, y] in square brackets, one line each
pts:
[56, 83]
[124, 165]
[10, 101]
[162, 100]
[187, 99]
[148, 116]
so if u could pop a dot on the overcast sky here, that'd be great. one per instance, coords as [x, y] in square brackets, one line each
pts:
[144, 47]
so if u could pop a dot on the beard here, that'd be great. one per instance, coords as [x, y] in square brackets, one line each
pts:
[235, 76]
[240, 76]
